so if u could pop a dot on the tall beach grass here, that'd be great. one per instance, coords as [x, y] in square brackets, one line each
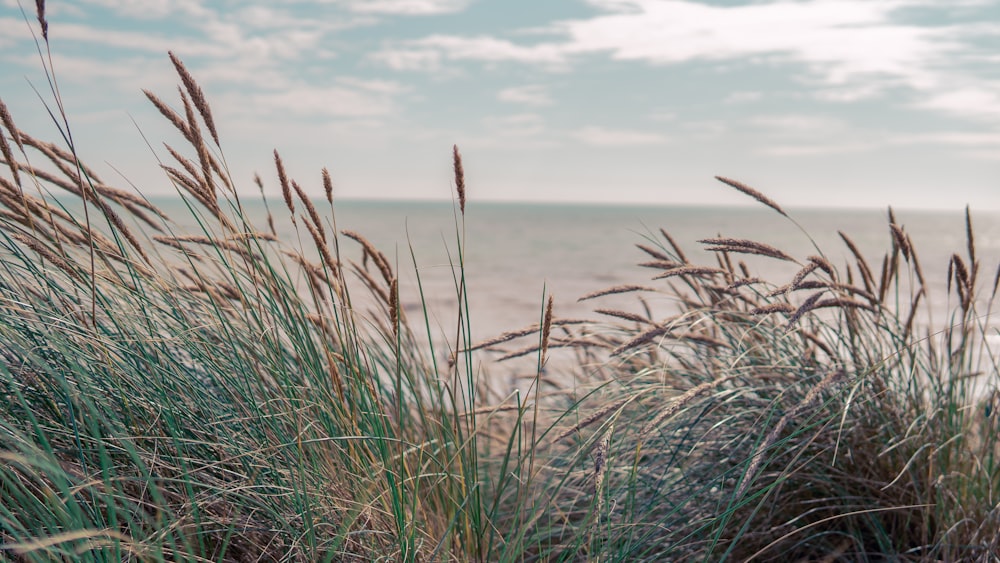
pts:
[227, 394]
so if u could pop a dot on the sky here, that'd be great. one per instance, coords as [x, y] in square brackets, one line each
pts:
[846, 103]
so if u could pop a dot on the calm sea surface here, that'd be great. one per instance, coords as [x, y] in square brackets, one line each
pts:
[515, 253]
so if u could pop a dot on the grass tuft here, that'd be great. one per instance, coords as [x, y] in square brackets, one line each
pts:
[229, 393]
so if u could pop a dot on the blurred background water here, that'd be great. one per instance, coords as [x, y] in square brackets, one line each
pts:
[517, 253]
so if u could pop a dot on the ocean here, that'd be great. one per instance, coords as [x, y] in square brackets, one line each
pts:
[516, 253]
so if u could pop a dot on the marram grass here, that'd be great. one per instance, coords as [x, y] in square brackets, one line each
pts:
[227, 395]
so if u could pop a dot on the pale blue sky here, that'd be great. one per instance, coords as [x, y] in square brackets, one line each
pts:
[814, 102]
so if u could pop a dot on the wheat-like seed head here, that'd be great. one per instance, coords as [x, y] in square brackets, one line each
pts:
[8, 157]
[46, 253]
[744, 246]
[310, 209]
[546, 329]
[370, 250]
[286, 190]
[690, 271]
[5, 150]
[328, 185]
[8, 122]
[963, 282]
[772, 436]
[320, 242]
[191, 186]
[654, 253]
[679, 402]
[170, 114]
[182, 160]
[199, 144]
[804, 308]
[595, 416]
[197, 95]
[744, 281]
[614, 290]
[674, 245]
[40, 12]
[740, 186]
[661, 264]
[600, 467]
[773, 308]
[899, 239]
[459, 178]
[624, 315]
[643, 338]
[63, 160]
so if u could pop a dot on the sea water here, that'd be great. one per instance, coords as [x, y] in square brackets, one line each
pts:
[517, 254]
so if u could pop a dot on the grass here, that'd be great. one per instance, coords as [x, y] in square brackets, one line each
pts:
[228, 395]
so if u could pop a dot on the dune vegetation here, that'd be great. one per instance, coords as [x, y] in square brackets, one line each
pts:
[229, 394]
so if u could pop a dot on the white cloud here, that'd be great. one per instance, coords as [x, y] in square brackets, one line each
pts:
[959, 138]
[851, 93]
[531, 95]
[409, 59]
[430, 52]
[817, 149]
[743, 96]
[13, 30]
[328, 101]
[389, 87]
[137, 41]
[839, 40]
[818, 139]
[516, 125]
[127, 73]
[842, 50]
[407, 7]
[970, 101]
[153, 9]
[605, 137]
[799, 125]
[265, 17]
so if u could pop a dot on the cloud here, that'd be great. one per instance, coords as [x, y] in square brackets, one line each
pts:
[975, 144]
[388, 87]
[841, 50]
[839, 41]
[407, 7]
[605, 137]
[428, 53]
[193, 29]
[958, 138]
[125, 40]
[969, 101]
[799, 125]
[743, 96]
[409, 59]
[516, 125]
[13, 30]
[154, 9]
[818, 149]
[531, 95]
[323, 101]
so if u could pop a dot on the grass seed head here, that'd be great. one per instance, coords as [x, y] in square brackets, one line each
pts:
[740, 186]
[459, 178]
